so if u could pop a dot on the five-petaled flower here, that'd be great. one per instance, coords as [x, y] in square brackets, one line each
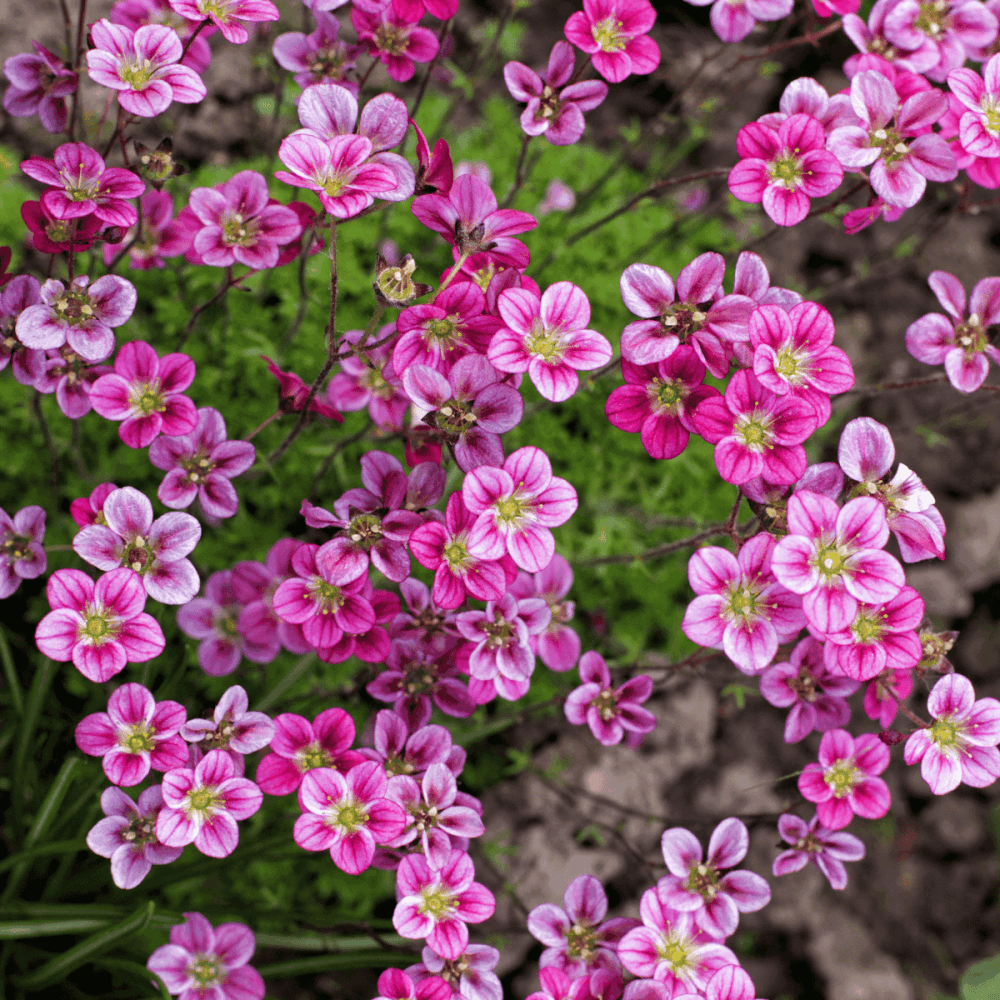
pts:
[826, 849]
[39, 85]
[227, 14]
[21, 554]
[614, 33]
[609, 711]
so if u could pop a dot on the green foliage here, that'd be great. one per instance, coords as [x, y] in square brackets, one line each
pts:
[982, 981]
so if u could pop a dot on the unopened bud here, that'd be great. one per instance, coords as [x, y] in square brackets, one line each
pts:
[157, 165]
[891, 737]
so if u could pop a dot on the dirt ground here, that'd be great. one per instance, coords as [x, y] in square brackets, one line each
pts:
[922, 906]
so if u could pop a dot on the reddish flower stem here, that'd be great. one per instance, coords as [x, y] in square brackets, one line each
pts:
[520, 174]
[227, 283]
[270, 420]
[809, 39]
[193, 36]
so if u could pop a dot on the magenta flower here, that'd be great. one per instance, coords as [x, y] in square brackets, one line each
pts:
[339, 170]
[732, 22]
[576, 936]
[239, 225]
[394, 40]
[885, 694]
[160, 237]
[471, 407]
[741, 607]
[146, 394]
[899, 170]
[100, 627]
[143, 67]
[135, 734]
[204, 804]
[671, 948]
[515, 507]
[200, 464]
[214, 620]
[559, 197]
[226, 15]
[80, 185]
[843, 783]
[71, 378]
[657, 401]
[401, 750]
[554, 109]
[39, 85]
[755, 431]
[697, 313]
[395, 984]
[695, 884]
[90, 510]
[832, 557]
[866, 454]
[435, 172]
[232, 728]
[959, 343]
[951, 28]
[812, 842]
[815, 697]
[298, 746]
[438, 904]
[870, 38]
[52, 235]
[293, 393]
[444, 549]
[614, 34]
[374, 384]
[81, 316]
[961, 744]
[609, 711]
[319, 57]
[127, 835]
[469, 219]
[414, 10]
[27, 364]
[349, 815]
[978, 125]
[784, 167]
[155, 550]
[502, 653]
[203, 962]
[22, 556]
[558, 645]
[548, 338]
[135, 13]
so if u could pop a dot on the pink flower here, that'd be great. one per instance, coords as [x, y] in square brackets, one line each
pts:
[899, 171]
[694, 884]
[203, 962]
[414, 10]
[39, 85]
[559, 197]
[755, 431]
[734, 21]
[204, 804]
[27, 364]
[214, 619]
[339, 170]
[200, 464]
[806, 96]
[135, 13]
[71, 378]
[433, 816]
[80, 184]
[832, 557]
[960, 343]
[143, 67]
[554, 109]
[812, 842]
[609, 712]
[227, 14]
[160, 237]
[240, 225]
[978, 129]
[100, 627]
[843, 783]
[374, 384]
[614, 34]
[816, 697]
[146, 394]
[740, 606]
[576, 936]
[293, 393]
[784, 168]
[697, 313]
[515, 507]
[232, 728]
[90, 510]
[671, 948]
[401, 750]
[469, 219]
[657, 401]
[81, 316]
[319, 57]
[127, 835]
[438, 904]
[349, 815]
[395, 984]
[885, 694]
[52, 235]
[155, 550]
[22, 556]
[435, 172]
[558, 646]
[135, 734]
[548, 338]
[961, 744]
[471, 407]
[394, 40]
[298, 746]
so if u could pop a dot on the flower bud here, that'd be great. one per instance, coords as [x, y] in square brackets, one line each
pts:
[157, 165]
[891, 737]
[394, 285]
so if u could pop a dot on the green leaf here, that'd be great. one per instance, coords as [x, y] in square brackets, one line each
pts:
[982, 981]
[62, 965]
[17, 929]
[42, 851]
[16, 694]
[139, 971]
